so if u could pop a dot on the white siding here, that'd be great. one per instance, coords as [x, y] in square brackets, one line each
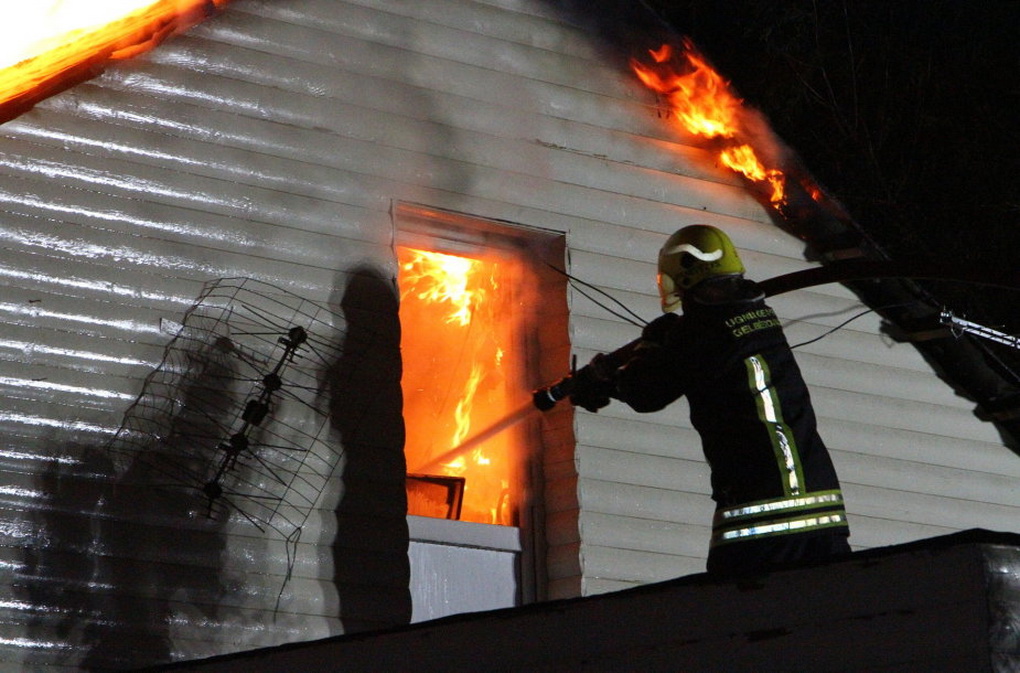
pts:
[271, 143]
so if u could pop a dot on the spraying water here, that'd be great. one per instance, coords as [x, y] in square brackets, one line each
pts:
[485, 435]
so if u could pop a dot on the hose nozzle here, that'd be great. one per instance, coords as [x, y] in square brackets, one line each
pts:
[546, 398]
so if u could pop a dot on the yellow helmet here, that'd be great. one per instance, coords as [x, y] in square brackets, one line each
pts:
[691, 255]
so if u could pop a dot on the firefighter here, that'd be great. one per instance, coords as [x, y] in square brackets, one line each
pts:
[778, 499]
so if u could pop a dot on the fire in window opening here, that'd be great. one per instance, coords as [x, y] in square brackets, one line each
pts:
[464, 369]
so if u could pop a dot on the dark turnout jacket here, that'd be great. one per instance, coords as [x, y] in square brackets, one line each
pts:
[771, 472]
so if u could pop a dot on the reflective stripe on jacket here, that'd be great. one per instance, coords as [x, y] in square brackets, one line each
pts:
[780, 516]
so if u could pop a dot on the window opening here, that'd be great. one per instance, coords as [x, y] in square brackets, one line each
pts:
[470, 324]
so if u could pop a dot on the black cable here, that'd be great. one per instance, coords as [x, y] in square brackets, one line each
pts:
[834, 329]
[851, 319]
[619, 315]
[632, 317]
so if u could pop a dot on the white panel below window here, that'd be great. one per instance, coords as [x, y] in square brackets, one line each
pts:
[458, 567]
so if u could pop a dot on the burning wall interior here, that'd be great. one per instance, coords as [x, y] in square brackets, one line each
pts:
[462, 373]
[468, 314]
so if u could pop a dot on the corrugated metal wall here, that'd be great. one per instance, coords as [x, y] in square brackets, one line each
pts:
[270, 143]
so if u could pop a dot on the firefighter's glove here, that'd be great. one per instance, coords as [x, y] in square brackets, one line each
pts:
[592, 386]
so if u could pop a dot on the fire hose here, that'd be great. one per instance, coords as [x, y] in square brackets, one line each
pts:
[547, 397]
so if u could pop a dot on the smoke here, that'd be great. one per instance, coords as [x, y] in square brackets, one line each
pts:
[624, 29]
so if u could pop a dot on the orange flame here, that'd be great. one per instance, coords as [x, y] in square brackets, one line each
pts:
[458, 371]
[444, 278]
[704, 105]
[46, 46]
[462, 414]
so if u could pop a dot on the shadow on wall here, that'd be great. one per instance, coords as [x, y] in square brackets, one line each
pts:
[370, 551]
[115, 560]
[60, 559]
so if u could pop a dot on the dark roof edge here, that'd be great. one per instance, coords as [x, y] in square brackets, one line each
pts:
[986, 543]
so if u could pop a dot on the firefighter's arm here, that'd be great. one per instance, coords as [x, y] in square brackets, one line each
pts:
[647, 381]
[592, 386]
